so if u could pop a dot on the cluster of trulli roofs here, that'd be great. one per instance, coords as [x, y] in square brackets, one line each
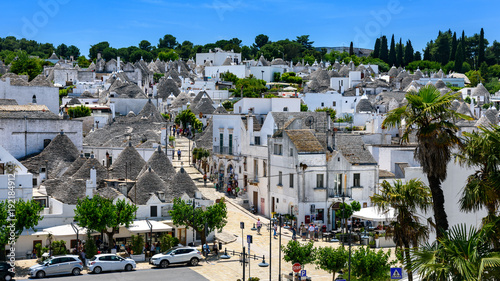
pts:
[281, 159]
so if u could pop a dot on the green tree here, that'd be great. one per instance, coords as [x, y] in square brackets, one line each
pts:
[376, 49]
[399, 55]
[169, 55]
[79, 111]
[102, 215]
[481, 48]
[304, 41]
[348, 211]
[332, 112]
[73, 51]
[459, 57]
[441, 49]
[294, 252]
[368, 265]
[392, 52]
[83, 62]
[187, 116]
[145, 45]
[62, 51]
[483, 70]
[428, 115]
[90, 247]
[261, 40]
[15, 217]
[202, 220]
[459, 254]
[384, 52]
[167, 242]
[252, 87]
[482, 190]
[228, 76]
[303, 107]
[97, 48]
[474, 77]
[331, 259]
[168, 41]
[454, 43]
[24, 65]
[109, 53]
[406, 199]
[59, 248]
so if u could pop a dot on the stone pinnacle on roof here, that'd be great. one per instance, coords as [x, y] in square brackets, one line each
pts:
[127, 165]
[161, 164]
[148, 184]
[180, 184]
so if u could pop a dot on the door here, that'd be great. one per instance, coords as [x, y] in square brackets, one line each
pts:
[272, 205]
[181, 234]
[104, 263]
[65, 265]
[262, 206]
[255, 199]
[117, 263]
[53, 267]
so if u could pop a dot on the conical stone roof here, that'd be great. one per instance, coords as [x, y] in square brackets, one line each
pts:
[181, 100]
[180, 184]
[127, 165]
[464, 109]
[166, 86]
[364, 105]
[148, 184]
[149, 111]
[161, 164]
[84, 171]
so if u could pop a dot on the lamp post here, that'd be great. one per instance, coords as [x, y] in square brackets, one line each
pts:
[150, 235]
[262, 71]
[194, 237]
[279, 268]
[75, 228]
[348, 231]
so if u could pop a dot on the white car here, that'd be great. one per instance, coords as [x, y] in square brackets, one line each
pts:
[175, 255]
[58, 265]
[109, 262]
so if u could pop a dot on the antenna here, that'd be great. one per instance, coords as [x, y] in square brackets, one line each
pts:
[309, 121]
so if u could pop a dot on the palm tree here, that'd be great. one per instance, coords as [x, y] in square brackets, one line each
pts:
[428, 115]
[481, 150]
[460, 254]
[406, 199]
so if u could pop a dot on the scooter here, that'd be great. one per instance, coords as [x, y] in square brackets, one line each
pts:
[253, 210]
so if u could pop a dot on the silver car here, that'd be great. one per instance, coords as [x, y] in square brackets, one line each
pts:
[109, 262]
[58, 265]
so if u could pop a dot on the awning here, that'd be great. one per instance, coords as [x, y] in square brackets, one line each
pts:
[141, 226]
[373, 214]
[290, 88]
[61, 230]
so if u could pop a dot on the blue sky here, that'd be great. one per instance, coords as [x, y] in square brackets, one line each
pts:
[329, 23]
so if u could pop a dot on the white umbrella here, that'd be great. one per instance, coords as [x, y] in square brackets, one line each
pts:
[373, 214]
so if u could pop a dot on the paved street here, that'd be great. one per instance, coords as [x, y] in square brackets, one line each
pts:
[172, 273]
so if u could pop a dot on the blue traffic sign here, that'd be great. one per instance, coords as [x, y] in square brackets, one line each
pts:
[249, 239]
[303, 273]
[396, 273]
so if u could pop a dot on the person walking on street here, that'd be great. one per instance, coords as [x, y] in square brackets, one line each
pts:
[275, 229]
[205, 179]
[259, 225]
[179, 154]
[294, 233]
[311, 232]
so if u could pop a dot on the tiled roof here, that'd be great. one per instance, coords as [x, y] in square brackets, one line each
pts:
[353, 148]
[305, 141]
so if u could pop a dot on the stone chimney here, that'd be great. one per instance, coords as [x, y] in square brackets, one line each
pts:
[98, 55]
[91, 184]
[118, 64]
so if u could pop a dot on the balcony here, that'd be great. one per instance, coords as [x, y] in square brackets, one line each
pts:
[223, 150]
[334, 193]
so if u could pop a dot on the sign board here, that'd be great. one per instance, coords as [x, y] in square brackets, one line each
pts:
[303, 273]
[249, 239]
[296, 267]
[242, 225]
[295, 210]
[396, 273]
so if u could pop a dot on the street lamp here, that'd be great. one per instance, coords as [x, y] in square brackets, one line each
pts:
[349, 229]
[262, 74]
[279, 268]
[75, 228]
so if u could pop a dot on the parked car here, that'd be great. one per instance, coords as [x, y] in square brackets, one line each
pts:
[109, 262]
[58, 265]
[177, 255]
[6, 273]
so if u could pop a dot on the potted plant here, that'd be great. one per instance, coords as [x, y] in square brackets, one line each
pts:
[137, 247]
[376, 239]
[171, 140]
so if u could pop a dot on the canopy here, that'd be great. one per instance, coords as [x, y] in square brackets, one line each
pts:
[290, 88]
[141, 226]
[373, 214]
[61, 230]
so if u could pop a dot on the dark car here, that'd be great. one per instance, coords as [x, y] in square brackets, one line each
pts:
[6, 271]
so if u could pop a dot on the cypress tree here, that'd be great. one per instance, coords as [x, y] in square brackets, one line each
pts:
[376, 49]
[480, 56]
[409, 56]
[427, 51]
[399, 57]
[351, 49]
[459, 58]
[384, 53]
[453, 47]
[392, 52]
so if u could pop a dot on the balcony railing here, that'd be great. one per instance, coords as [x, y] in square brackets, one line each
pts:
[223, 150]
[334, 193]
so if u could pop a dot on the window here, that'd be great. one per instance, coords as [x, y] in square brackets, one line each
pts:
[356, 181]
[291, 151]
[2, 168]
[34, 179]
[285, 108]
[154, 211]
[334, 103]
[291, 180]
[245, 164]
[264, 165]
[278, 149]
[221, 142]
[256, 169]
[280, 178]
[338, 184]
[319, 181]
[257, 141]
[230, 144]
[322, 104]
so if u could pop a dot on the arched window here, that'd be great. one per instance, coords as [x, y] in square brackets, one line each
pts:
[33, 99]
[285, 108]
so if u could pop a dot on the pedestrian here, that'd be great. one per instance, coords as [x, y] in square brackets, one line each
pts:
[316, 232]
[294, 233]
[237, 190]
[275, 229]
[205, 179]
[303, 231]
[259, 225]
[179, 154]
[311, 232]
[173, 154]
[82, 255]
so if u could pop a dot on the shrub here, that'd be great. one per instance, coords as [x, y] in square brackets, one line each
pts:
[137, 244]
